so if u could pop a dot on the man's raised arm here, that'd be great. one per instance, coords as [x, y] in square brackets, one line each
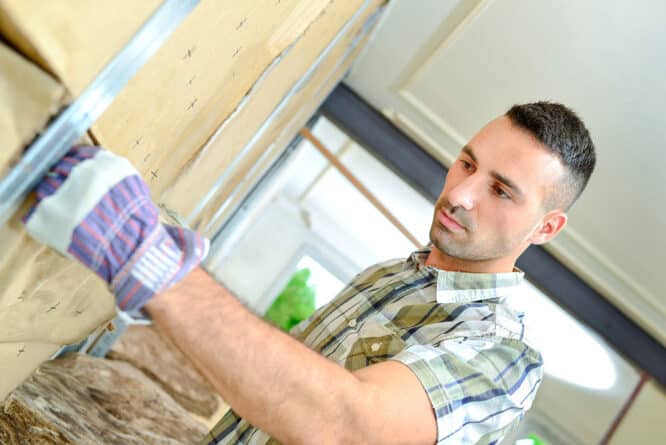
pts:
[94, 207]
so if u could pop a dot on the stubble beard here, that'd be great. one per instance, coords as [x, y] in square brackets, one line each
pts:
[465, 249]
[461, 250]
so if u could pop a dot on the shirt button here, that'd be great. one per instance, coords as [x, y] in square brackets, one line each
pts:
[352, 323]
[375, 347]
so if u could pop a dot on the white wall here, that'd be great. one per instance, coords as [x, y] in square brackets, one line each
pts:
[441, 70]
[645, 421]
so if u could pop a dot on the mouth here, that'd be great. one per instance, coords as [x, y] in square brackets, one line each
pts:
[449, 221]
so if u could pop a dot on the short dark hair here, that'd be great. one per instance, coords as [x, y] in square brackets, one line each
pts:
[562, 132]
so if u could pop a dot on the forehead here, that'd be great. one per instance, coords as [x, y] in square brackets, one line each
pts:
[503, 148]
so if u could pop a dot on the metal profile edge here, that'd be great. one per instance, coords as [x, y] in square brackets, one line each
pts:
[73, 122]
[367, 26]
[264, 182]
[300, 83]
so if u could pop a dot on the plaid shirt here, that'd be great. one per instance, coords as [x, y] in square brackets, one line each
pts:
[452, 329]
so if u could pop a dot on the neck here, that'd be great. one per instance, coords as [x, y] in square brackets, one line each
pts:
[440, 260]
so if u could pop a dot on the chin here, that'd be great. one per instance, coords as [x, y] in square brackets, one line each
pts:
[439, 244]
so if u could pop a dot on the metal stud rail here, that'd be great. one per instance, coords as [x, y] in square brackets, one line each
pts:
[284, 102]
[75, 120]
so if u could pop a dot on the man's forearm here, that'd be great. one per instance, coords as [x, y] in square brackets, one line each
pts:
[269, 378]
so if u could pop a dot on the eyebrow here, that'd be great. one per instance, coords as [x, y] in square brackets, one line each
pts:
[501, 178]
[467, 149]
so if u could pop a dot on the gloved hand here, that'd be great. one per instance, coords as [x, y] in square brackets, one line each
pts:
[93, 206]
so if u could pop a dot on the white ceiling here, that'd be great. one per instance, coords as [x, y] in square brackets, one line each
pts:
[441, 70]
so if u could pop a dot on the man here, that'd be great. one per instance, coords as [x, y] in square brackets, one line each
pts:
[414, 351]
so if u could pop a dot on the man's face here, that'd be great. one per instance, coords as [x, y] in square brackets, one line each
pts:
[491, 204]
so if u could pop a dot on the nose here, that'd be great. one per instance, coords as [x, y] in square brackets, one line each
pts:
[465, 193]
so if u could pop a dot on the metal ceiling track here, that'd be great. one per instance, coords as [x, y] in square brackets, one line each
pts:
[75, 120]
[286, 100]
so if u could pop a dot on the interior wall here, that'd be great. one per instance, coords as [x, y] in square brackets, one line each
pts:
[644, 423]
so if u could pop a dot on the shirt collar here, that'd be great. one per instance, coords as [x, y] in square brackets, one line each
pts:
[463, 287]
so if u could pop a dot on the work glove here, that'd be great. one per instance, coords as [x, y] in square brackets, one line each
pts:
[94, 207]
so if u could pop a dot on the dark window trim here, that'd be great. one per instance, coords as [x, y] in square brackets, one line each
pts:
[406, 158]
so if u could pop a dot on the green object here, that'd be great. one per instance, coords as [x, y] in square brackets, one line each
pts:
[536, 440]
[295, 303]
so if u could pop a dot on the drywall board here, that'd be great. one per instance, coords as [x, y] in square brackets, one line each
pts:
[282, 131]
[72, 40]
[249, 119]
[46, 301]
[168, 111]
[34, 278]
[44, 298]
[265, 94]
[43, 301]
[276, 139]
[29, 97]
[40, 285]
[18, 360]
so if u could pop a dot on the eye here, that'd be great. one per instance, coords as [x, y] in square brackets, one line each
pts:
[499, 191]
[466, 165]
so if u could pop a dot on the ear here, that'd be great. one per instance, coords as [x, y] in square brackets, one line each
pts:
[551, 224]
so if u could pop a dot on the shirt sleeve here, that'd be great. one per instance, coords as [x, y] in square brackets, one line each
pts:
[479, 389]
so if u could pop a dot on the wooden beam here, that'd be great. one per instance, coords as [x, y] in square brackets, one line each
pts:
[307, 134]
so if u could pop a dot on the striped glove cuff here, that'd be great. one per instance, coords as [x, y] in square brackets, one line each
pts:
[95, 207]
